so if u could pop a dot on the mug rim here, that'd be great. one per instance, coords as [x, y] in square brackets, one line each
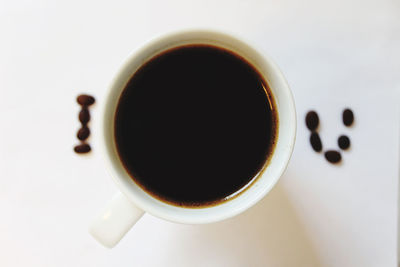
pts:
[225, 209]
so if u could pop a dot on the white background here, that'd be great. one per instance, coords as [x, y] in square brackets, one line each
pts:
[333, 53]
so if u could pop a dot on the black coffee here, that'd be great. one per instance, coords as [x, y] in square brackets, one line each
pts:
[195, 125]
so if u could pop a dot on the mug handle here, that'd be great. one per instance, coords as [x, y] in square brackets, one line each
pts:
[114, 222]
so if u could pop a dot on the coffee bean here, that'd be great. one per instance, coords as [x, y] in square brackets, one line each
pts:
[85, 100]
[344, 142]
[333, 156]
[82, 148]
[348, 117]
[83, 133]
[312, 120]
[315, 141]
[84, 116]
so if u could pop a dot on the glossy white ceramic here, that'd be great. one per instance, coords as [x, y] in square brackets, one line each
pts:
[124, 210]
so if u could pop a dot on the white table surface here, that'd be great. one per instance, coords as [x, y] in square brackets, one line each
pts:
[333, 53]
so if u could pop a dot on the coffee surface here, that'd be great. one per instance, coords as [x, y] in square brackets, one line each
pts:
[194, 125]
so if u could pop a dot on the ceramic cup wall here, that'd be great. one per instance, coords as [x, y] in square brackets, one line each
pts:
[130, 204]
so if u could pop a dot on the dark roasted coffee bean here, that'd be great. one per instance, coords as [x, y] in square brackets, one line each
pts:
[315, 141]
[82, 148]
[85, 100]
[344, 142]
[83, 133]
[84, 116]
[312, 120]
[333, 156]
[348, 117]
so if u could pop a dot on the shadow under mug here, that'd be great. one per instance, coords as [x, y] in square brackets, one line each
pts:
[122, 212]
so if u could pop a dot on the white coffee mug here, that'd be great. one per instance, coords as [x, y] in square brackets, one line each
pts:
[132, 202]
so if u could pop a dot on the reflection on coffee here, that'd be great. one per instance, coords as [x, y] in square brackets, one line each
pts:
[195, 124]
